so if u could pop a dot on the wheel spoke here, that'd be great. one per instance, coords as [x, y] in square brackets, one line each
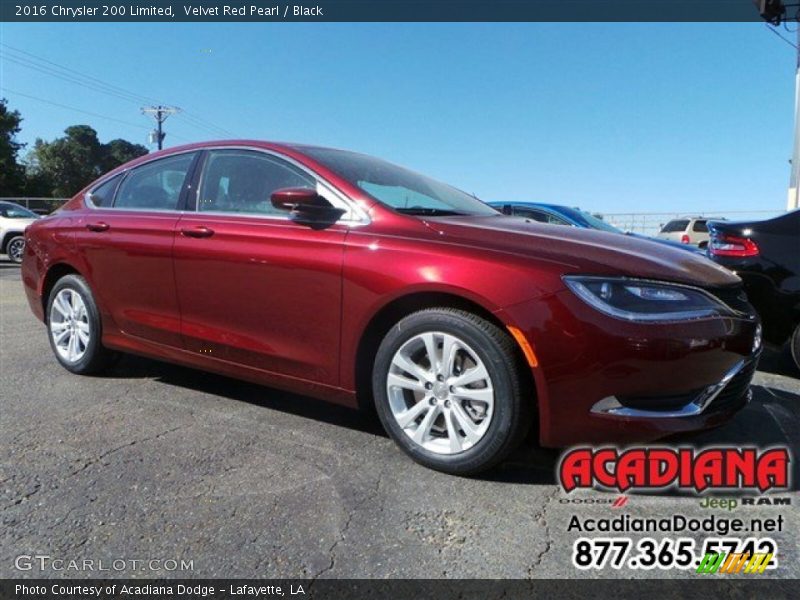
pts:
[485, 395]
[424, 428]
[404, 363]
[61, 306]
[469, 427]
[84, 338]
[405, 383]
[72, 347]
[61, 336]
[82, 326]
[452, 433]
[430, 349]
[475, 374]
[404, 419]
[450, 348]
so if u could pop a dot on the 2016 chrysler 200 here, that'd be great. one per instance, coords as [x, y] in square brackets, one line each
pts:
[341, 276]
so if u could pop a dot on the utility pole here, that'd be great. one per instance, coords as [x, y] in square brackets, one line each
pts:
[774, 13]
[160, 114]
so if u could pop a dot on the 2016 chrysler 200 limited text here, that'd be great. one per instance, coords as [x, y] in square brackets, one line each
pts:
[344, 277]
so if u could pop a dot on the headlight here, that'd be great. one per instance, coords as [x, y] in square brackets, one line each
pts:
[641, 300]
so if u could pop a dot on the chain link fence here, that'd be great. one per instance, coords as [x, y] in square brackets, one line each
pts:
[650, 223]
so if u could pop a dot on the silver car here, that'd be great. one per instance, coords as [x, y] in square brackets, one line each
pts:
[13, 221]
[687, 230]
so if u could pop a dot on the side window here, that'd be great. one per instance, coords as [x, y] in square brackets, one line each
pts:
[700, 226]
[676, 225]
[156, 185]
[241, 181]
[103, 195]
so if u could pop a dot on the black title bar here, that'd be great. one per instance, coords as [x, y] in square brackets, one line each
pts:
[382, 10]
[755, 586]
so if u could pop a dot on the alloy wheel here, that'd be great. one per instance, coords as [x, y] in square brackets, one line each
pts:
[440, 392]
[69, 325]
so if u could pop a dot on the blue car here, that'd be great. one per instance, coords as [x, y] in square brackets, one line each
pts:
[556, 214]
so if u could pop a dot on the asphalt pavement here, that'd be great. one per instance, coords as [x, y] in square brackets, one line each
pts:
[155, 462]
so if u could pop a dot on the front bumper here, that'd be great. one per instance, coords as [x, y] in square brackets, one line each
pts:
[602, 380]
[729, 391]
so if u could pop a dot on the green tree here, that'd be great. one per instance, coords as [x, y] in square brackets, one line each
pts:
[12, 174]
[67, 164]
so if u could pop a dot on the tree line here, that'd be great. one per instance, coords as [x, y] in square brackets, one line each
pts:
[59, 168]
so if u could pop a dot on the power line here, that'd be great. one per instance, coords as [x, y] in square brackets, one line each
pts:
[75, 109]
[76, 77]
[778, 33]
[78, 73]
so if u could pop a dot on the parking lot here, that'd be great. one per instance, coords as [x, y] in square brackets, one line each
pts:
[158, 462]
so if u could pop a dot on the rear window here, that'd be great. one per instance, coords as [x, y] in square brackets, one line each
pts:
[676, 225]
[700, 225]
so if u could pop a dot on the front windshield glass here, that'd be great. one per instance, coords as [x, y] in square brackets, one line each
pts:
[13, 211]
[596, 223]
[398, 188]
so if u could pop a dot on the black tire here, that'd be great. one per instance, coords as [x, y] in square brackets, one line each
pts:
[96, 358]
[497, 350]
[15, 249]
[795, 346]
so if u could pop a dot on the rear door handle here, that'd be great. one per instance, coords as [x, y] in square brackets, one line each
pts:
[98, 226]
[197, 232]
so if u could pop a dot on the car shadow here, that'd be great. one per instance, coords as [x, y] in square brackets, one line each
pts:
[772, 418]
[136, 367]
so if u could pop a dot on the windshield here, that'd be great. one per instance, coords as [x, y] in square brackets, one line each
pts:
[398, 188]
[13, 211]
[596, 223]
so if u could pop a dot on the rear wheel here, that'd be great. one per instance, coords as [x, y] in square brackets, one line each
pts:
[15, 248]
[74, 328]
[447, 389]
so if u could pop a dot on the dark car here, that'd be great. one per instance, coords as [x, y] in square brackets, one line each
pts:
[766, 255]
[557, 214]
[348, 278]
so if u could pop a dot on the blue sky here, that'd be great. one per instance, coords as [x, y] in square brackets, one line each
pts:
[610, 117]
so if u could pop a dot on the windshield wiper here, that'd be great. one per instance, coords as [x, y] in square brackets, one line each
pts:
[430, 212]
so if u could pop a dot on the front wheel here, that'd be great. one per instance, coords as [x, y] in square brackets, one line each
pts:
[74, 327]
[448, 389]
[15, 249]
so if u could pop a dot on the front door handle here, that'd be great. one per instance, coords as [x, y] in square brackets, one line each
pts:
[197, 232]
[97, 226]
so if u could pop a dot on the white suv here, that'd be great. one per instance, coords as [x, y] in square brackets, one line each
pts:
[13, 221]
[687, 230]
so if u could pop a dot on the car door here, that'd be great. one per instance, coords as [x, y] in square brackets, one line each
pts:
[256, 288]
[126, 237]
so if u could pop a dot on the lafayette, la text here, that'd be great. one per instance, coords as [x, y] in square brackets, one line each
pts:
[193, 590]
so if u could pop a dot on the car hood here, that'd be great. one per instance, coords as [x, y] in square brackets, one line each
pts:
[584, 251]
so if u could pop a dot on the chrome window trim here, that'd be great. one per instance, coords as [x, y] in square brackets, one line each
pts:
[355, 216]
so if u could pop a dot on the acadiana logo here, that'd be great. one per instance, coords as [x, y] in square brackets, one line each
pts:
[693, 469]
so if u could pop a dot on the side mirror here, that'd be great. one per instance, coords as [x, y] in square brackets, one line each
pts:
[306, 207]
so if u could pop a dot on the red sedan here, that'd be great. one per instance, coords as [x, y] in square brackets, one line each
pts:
[342, 276]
